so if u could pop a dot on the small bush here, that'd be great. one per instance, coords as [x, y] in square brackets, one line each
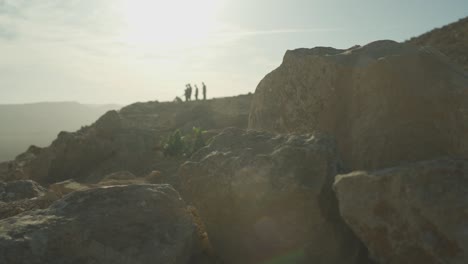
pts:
[198, 141]
[174, 145]
[178, 145]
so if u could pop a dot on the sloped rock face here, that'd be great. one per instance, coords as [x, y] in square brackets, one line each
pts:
[19, 190]
[265, 197]
[411, 214]
[127, 140]
[452, 40]
[20, 196]
[130, 224]
[385, 103]
[20, 206]
[65, 187]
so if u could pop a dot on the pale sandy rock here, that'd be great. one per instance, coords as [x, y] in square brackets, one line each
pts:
[385, 103]
[65, 187]
[134, 224]
[417, 213]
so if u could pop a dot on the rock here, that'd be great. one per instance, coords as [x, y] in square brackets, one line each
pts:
[154, 177]
[124, 182]
[20, 196]
[108, 124]
[120, 175]
[452, 40]
[265, 197]
[13, 170]
[131, 224]
[10, 209]
[19, 190]
[122, 178]
[65, 187]
[415, 213]
[385, 103]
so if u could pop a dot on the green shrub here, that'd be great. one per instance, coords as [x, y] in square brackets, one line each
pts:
[174, 145]
[198, 141]
[178, 145]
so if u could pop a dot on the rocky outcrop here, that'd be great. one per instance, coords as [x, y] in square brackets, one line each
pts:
[265, 198]
[120, 175]
[410, 214]
[125, 140]
[385, 103]
[65, 187]
[19, 190]
[452, 40]
[13, 170]
[17, 197]
[9, 209]
[130, 224]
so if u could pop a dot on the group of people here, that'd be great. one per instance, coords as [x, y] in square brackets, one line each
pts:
[188, 92]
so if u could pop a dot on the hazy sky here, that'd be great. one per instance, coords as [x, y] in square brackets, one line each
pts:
[122, 51]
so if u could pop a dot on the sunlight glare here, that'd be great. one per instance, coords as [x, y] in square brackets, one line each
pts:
[169, 23]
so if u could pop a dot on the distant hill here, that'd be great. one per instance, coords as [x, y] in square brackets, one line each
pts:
[38, 124]
[452, 40]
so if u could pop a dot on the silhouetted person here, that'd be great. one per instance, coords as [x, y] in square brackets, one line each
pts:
[204, 90]
[186, 94]
[189, 87]
[196, 92]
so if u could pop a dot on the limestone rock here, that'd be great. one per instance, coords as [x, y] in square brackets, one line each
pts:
[452, 40]
[154, 177]
[9, 209]
[120, 175]
[417, 213]
[65, 187]
[13, 170]
[385, 103]
[134, 224]
[17, 197]
[265, 197]
[19, 190]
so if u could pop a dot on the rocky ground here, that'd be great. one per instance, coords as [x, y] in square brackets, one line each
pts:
[341, 156]
[127, 140]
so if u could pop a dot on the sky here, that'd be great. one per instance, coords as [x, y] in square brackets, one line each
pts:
[124, 51]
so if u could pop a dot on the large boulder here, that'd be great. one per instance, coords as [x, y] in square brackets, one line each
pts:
[385, 103]
[24, 195]
[417, 213]
[266, 197]
[133, 224]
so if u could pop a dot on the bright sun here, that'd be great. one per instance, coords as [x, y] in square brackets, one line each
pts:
[168, 23]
